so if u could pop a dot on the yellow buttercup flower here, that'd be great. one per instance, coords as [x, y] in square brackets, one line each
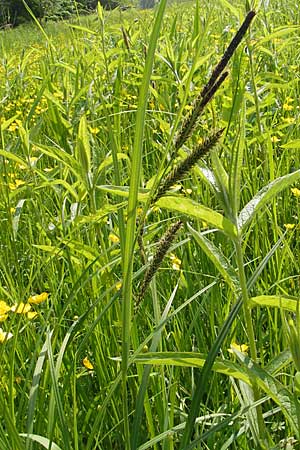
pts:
[21, 308]
[4, 308]
[3, 317]
[94, 130]
[5, 336]
[289, 100]
[295, 192]
[275, 139]
[113, 238]
[87, 363]
[36, 299]
[289, 120]
[31, 315]
[118, 285]
[289, 226]
[287, 107]
[176, 262]
[241, 348]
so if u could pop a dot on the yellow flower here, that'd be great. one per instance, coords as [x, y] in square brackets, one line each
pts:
[155, 209]
[87, 363]
[36, 299]
[21, 308]
[289, 100]
[289, 120]
[33, 160]
[13, 127]
[4, 336]
[289, 226]
[295, 192]
[3, 317]
[118, 285]
[152, 104]
[241, 348]
[94, 130]
[113, 238]
[176, 262]
[31, 315]
[4, 308]
[275, 139]
[287, 107]
[16, 184]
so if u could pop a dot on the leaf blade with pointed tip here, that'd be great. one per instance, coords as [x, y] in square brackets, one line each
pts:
[264, 196]
[275, 301]
[217, 257]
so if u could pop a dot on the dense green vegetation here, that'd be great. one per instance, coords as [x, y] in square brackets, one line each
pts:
[90, 117]
[15, 12]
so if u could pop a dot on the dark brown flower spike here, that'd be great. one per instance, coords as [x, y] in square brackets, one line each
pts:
[162, 248]
[198, 107]
[228, 53]
[215, 81]
[186, 165]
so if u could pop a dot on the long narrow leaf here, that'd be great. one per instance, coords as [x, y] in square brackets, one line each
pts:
[132, 210]
[217, 257]
[264, 196]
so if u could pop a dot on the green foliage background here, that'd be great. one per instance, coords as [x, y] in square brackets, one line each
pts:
[14, 12]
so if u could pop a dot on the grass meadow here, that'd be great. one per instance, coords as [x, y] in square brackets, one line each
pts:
[149, 231]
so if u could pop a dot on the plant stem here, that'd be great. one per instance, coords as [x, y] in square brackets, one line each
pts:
[251, 335]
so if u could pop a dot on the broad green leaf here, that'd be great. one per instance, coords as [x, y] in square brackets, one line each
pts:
[83, 150]
[273, 388]
[276, 301]
[278, 363]
[41, 440]
[193, 209]
[218, 259]
[61, 155]
[190, 359]
[264, 196]
[181, 205]
[292, 144]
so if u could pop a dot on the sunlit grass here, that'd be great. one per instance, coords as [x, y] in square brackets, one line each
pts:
[68, 110]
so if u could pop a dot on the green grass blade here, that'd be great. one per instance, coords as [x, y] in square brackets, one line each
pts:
[132, 210]
[264, 196]
[190, 359]
[57, 396]
[182, 205]
[42, 441]
[33, 394]
[217, 257]
[275, 301]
